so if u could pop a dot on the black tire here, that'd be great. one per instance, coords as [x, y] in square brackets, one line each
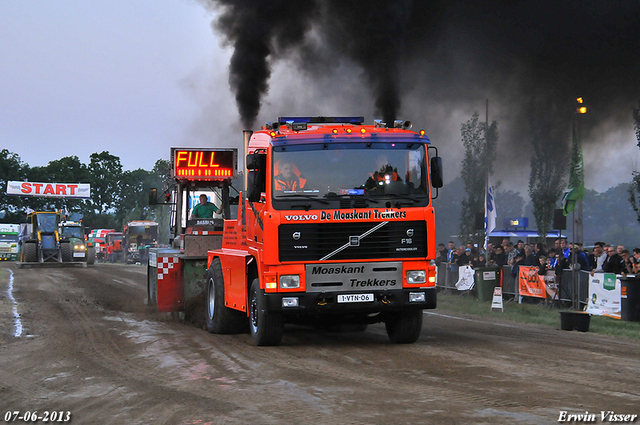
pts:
[404, 327]
[91, 255]
[29, 253]
[220, 318]
[266, 328]
[65, 252]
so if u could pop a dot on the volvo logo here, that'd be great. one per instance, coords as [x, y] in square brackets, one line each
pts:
[409, 232]
[296, 235]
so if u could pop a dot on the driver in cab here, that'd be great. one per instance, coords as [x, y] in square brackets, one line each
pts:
[383, 175]
[286, 179]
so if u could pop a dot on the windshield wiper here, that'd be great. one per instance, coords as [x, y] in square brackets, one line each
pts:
[351, 196]
[300, 195]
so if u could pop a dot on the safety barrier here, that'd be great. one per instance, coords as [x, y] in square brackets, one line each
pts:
[448, 276]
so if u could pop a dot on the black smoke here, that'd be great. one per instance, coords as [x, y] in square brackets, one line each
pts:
[446, 52]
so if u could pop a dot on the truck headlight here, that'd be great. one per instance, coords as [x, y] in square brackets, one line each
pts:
[288, 281]
[416, 276]
[79, 247]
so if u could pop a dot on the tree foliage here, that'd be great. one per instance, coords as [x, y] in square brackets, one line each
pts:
[116, 196]
[480, 142]
[549, 162]
[11, 169]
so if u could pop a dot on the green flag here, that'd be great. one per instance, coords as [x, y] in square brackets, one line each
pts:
[575, 191]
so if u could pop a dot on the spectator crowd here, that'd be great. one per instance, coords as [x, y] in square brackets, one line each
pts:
[604, 258]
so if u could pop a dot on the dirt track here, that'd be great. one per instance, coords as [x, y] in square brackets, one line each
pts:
[89, 345]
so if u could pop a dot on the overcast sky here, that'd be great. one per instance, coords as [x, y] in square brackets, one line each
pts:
[136, 77]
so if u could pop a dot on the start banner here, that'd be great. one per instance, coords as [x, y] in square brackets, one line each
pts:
[530, 283]
[50, 190]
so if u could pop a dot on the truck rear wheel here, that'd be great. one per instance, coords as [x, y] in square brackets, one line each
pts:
[220, 318]
[29, 253]
[404, 327]
[266, 328]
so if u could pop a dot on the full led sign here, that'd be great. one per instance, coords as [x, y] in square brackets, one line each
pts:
[204, 164]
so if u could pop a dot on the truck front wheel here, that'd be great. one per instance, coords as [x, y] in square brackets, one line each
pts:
[266, 328]
[29, 253]
[404, 327]
[220, 318]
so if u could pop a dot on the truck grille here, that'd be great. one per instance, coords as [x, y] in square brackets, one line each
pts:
[352, 241]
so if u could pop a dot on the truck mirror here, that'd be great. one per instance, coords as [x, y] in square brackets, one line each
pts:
[153, 196]
[255, 185]
[436, 172]
[256, 161]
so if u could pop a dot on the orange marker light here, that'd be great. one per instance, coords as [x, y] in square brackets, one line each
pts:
[363, 130]
[422, 132]
[334, 131]
[272, 134]
[348, 131]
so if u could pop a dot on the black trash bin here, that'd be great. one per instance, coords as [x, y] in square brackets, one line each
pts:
[486, 279]
[630, 298]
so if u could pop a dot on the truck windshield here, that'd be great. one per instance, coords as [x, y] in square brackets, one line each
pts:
[72, 232]
[385, 170]
[47, 223]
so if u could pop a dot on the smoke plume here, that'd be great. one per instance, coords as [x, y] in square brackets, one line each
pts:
[438, 57]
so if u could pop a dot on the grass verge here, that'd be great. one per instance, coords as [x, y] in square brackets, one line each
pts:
[531, 312]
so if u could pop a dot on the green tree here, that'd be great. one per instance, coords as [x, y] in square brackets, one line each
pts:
[11, 169]
[480, 142]
[549, 162]
[105, 173]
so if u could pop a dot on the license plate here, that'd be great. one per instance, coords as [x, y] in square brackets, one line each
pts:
[355, 298]
[78, 254]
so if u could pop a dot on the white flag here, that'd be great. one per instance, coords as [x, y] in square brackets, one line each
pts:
[490, 214]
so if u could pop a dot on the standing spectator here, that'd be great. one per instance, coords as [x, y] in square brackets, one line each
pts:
[451, 256]
[511, 254]
[490, 254]
[520, 246]
[441, 257]
[619, 249]
[636, 264]
[542, 265]
[530, 258]
[565, 248]
[517, 262]
[627, 262]
[553, 258]
[597, 258]
[539, 250]
[614, 262]
[556, 245]
[500, 259]
[472, 247]
[581, 259]
[480, 261]
[463, 256]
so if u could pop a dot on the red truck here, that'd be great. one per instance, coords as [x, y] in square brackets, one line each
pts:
[336, 226]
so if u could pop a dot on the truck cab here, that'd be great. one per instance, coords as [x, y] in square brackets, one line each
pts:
[9, 242]
[336, 225]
